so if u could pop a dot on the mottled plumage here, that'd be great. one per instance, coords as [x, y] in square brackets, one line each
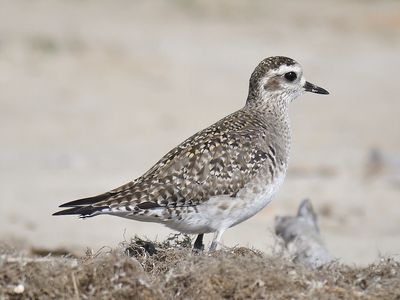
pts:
[221, 175]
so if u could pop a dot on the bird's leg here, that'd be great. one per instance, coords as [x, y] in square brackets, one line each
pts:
[198, 244]
[216, 239]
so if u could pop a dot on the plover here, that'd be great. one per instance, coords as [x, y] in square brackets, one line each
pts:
[222, 175]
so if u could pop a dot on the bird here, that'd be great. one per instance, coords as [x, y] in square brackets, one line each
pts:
[222, 175]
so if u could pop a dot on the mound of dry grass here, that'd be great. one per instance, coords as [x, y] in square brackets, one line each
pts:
[169, 270]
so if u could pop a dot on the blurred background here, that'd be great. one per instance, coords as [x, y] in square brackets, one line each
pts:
[93, 93]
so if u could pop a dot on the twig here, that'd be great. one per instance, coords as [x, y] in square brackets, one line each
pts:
[75, 286]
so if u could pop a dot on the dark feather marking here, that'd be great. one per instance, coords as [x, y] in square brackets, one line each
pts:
[271, 171]
[235, 194]
[272, 159]
[147, 205]
[272, 150]
[83, 211]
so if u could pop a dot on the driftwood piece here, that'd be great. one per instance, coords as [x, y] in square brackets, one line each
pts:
[302, 237]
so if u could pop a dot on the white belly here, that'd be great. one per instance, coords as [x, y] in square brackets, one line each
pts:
[222, 212]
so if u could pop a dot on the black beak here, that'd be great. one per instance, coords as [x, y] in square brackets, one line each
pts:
[309, 87]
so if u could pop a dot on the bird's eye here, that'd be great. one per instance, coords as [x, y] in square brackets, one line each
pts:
[291, 76]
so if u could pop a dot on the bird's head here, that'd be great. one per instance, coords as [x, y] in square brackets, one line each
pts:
[279, 79]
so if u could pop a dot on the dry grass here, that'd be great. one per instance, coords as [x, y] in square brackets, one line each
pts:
[169, 270]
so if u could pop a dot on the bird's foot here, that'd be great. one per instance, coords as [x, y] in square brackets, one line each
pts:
[213, 246]
[198, 246]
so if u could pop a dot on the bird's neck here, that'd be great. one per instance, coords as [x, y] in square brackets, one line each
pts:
[274, 112]
[272, 105]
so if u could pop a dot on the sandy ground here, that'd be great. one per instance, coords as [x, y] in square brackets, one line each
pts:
[92, 93]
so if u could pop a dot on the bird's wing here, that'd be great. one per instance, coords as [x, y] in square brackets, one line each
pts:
[215, 161]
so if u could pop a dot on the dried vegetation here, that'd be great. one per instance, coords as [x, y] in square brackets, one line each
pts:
[143, 269]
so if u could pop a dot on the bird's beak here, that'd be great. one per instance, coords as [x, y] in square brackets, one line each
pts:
[309, 87]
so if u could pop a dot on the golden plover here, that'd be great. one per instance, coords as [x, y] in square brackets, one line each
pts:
[221, 175]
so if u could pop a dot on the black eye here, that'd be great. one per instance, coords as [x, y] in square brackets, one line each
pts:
[291, 76]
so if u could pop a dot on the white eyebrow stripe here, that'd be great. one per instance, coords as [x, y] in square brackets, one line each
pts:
[284, 69]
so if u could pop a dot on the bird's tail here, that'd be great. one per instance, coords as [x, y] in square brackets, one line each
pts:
[85, 207]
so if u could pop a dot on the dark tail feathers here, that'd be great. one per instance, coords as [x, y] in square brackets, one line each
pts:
[83, 211]
[83, 207]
